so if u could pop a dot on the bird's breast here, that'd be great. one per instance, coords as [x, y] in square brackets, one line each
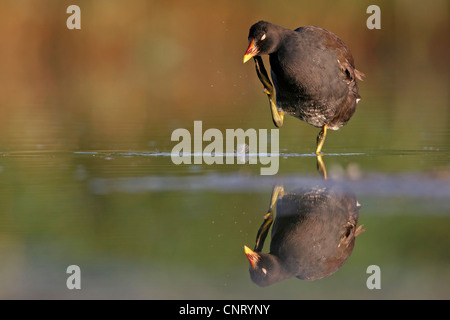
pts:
[308, 86]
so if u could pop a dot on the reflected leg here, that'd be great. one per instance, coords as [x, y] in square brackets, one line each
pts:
[321, 167]
[277, 116]
[268, 219]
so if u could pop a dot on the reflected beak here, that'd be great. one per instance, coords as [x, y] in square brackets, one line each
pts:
[251, 51]
[251, 256]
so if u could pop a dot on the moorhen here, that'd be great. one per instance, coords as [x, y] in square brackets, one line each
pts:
[312, 236]
[313, 72]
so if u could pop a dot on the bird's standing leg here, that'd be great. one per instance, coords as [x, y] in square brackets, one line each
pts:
[321, 167]
[277, 116]
[321, 139]
[268, 219]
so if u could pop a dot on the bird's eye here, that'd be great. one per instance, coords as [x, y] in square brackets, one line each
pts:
[263, 36]
[264, 270]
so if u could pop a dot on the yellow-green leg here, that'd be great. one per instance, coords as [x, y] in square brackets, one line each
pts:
[268, 219]
[321, 167]
[277, 116]
[321, 139]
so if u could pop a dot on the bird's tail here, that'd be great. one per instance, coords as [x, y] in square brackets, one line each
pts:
[359, 230]
[359, 75]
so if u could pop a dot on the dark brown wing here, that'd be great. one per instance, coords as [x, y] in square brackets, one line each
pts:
[343, 54]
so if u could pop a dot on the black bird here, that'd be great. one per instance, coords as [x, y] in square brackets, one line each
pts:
[312, 236]
[313, 72]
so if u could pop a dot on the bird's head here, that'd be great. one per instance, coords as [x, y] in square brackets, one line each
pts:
[263, 38]
[265, 268]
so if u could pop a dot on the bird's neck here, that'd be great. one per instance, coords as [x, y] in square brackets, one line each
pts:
[278, 271]
[282, 33]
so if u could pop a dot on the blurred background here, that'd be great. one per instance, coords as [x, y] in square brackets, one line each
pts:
[85, 123]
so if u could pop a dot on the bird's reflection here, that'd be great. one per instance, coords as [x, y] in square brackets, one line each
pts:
[313, 232]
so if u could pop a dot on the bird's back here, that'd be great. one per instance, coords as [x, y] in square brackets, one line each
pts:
[315, 78]
[308, 228]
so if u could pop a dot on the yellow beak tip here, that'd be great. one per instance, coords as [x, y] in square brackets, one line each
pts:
[248, 250]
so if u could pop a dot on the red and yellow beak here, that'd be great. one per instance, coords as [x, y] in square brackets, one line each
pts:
[252, 51]
[251, 256]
